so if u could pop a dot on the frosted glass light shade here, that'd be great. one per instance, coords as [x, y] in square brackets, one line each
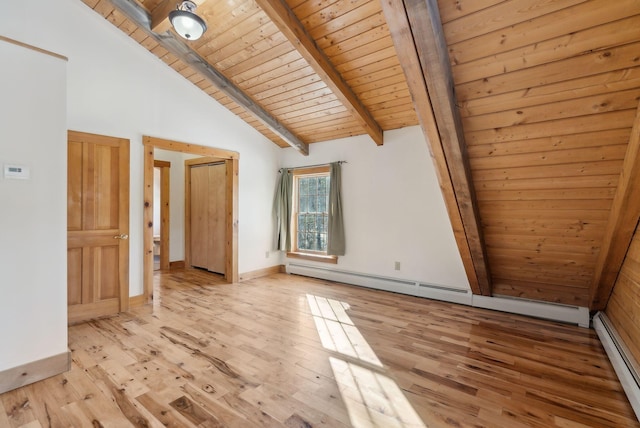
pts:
[189, 25]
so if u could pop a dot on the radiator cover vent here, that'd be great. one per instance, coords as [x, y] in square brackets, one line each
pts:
[552, 311]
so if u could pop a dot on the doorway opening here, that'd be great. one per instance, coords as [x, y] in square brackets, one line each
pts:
[231, 161]
[161, 210]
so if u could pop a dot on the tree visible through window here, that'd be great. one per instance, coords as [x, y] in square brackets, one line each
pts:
[311, 202]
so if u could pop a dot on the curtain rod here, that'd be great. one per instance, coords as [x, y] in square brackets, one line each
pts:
[311, 166]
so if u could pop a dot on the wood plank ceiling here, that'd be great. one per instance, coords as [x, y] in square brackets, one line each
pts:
[547, 94]
[529, 110]
[247, 47]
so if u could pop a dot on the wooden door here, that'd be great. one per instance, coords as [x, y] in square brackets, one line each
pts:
[208, 216]
[97, 226]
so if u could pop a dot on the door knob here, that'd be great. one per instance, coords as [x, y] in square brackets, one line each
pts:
[122, 236]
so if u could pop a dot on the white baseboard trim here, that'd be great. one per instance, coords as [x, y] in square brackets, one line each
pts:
[34, 371]
[565, 313]
[551, 311]
[624, 365]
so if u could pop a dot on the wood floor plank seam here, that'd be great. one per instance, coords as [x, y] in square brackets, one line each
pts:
[260, 354]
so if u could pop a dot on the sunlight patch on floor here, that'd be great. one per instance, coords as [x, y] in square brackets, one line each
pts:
[372, 398]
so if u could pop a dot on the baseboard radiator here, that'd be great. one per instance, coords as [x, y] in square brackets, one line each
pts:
[556, 312]
[623, 363]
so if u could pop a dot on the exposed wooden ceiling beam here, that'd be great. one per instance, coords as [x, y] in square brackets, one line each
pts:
[623, 219]
[403, 40]
[160, 16]
[141, 17]
[417, 35]
[287, 22]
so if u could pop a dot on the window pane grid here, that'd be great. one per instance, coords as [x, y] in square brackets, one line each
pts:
[313, 201]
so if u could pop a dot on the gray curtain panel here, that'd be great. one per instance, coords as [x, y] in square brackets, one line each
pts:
[336, 242]
[282, 203]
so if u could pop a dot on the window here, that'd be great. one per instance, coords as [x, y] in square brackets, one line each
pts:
[310, 214]
[310, 207]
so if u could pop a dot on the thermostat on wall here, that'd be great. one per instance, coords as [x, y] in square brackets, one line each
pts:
[16, 172]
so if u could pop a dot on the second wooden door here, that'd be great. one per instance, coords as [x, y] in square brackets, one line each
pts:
[208, 216]
[98, 225]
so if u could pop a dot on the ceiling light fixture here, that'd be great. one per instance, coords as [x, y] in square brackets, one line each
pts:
[185, 21]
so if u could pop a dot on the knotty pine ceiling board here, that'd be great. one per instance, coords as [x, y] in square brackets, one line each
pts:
[356, 39]
[243, 44]
[267, 67]
[547, 92]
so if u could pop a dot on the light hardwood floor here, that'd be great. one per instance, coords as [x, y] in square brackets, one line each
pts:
[296, 352]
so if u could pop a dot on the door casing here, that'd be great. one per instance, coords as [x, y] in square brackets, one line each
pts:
[231, 160]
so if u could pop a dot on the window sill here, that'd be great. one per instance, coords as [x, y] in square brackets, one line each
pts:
[313, 257]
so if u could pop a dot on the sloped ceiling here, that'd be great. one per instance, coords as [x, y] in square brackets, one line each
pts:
[529, 108]
[545, 98]
[346, 80]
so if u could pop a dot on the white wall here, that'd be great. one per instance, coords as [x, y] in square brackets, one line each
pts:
[117, 88]
[157, 221]
[33, 218]
[393, 208]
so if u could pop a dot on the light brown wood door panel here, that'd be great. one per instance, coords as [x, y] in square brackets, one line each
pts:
[199, 216]
[98, 226]
[208, 216]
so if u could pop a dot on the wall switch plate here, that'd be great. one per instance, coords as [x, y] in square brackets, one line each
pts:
[397, 266]
[16, 172]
